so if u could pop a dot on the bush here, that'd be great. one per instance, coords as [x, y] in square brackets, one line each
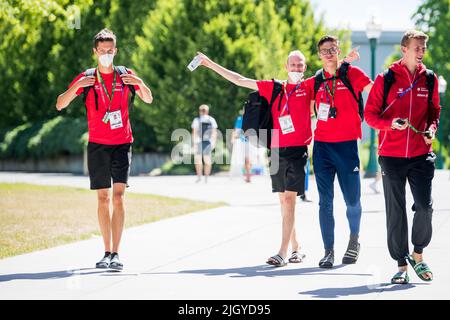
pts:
[43, 139]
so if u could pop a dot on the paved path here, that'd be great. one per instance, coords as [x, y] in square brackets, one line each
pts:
[220, 253]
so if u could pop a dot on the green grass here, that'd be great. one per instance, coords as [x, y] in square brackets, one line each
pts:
[39, 217]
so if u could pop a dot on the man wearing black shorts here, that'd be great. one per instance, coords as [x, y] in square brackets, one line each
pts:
[106, 90]
[291, 135]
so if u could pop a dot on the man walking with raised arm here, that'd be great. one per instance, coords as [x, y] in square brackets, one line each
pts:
[290, 138]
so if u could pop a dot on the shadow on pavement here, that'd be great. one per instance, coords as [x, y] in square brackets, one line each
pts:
[329, 293]
[266, 271]
[48, 275]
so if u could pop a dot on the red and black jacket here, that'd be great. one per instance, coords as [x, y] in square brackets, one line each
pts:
[413, 106]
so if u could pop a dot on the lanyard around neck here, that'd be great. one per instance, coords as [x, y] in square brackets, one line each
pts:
[286, 107]
[330, 92]
[400, 95]
[100, 79]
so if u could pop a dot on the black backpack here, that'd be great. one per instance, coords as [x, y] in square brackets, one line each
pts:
[257, 120]
[343, 76]
[120, 70]
[389, 79]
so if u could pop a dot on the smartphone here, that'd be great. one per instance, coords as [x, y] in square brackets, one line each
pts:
[194, 63]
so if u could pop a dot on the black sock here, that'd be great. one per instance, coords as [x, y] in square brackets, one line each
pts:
[107, 254]
[354, 239]
[114, 254]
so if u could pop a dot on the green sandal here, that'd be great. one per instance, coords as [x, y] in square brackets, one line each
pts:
[400, 277]
[421, 268]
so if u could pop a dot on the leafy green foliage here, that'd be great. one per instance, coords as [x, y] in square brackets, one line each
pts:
[433, 17]
[43, 50]
[58, 136]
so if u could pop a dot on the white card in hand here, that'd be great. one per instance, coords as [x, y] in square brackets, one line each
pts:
[194, 63]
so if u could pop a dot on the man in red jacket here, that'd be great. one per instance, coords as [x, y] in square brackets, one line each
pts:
[110, 137]
[407, 116]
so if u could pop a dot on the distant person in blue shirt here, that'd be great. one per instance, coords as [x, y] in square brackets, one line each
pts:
[239, 134]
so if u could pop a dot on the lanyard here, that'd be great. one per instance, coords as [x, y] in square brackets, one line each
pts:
[111, 97]
[286, 107]
[401, 94]
[325, 83]
[415, 130]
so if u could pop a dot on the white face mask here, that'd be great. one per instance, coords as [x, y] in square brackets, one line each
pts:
[295, 76]
[106, 60]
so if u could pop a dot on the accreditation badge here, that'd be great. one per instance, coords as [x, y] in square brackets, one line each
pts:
[324, 110]
[115, 120]
[286, 124]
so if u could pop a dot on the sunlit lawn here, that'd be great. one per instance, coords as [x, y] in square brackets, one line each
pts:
[38, 217]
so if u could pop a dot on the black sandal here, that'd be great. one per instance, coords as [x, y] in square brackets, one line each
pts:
[276, 261]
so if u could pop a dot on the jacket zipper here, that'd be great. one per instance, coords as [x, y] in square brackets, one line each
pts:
[382, 141]
[410, 110]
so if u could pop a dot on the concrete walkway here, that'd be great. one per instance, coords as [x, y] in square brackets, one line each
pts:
[220, 253]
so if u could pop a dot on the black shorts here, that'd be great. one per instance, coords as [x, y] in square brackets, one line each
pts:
[289, 175]
[106, 162]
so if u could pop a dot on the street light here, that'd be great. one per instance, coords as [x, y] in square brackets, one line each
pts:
[441, 89]
[373, 32]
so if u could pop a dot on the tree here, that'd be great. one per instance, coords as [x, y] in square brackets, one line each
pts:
[433, 17]
[250, 37]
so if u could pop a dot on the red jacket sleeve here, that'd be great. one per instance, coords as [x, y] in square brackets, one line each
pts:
[372, 111]
[434, 110]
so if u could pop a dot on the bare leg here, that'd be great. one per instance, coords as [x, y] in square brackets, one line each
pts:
[248, 167]
[287, 200]
[104, 218]
[198, 166]
[294, 242]
[118, 216]
[208, 166]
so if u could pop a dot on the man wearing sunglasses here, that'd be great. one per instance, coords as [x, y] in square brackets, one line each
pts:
[407, 117]
[335, 150]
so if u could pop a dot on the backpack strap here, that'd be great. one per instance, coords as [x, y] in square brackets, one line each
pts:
[343, 76]
[430, 82]
[318, 80]
[388, 79]
[277, 88]
[89, 73]
[123, 70]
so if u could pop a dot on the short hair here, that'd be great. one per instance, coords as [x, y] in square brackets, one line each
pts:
[203, 107]
[104, 35]
[413, 34]
[296, 53]
[327, 38]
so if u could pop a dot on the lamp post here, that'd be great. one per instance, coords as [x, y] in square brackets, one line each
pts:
[373, 32]
[441, 89]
